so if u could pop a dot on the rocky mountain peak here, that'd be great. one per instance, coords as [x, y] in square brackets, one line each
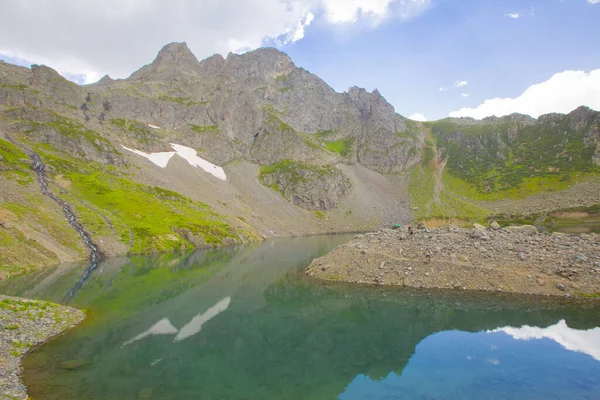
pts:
[260, 65]
[105, 80]
[173, 60]
[174, 53]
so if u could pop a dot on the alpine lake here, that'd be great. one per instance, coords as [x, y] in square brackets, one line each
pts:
[246, 323]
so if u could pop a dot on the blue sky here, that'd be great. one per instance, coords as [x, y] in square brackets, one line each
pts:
[407, 49]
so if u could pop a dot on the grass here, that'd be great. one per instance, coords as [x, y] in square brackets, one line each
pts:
[75, 130]
[421, 191]
[507, 159]
[291, 172]
[11, 156]
[342, 147]
[184, 101]
[37, 214]
[528, 187]
[159, 220]
[205, 129]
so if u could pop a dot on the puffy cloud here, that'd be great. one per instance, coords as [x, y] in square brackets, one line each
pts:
[443, 89]
[347, 11]
[460, 84]
[583, 341]
[96, 37]
[417, 117]
[513, 15]
[464, 94]
[562, 93]
[593, 1]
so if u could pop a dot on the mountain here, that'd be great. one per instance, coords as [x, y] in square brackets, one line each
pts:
[187, 153]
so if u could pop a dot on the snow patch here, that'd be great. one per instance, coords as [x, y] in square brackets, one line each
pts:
[154, 126]
[191, 156]
[187, 153]
[160, 159]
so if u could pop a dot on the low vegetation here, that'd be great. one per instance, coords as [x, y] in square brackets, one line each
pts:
[167, 222]
[513, 159]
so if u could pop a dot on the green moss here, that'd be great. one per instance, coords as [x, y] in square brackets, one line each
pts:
[205, 129]
[319, 214]
[342, 147]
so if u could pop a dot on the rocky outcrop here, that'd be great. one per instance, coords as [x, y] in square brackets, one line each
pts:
[308, 186]
[505, 260]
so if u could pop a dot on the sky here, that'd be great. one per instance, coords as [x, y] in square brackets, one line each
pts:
[429, 58]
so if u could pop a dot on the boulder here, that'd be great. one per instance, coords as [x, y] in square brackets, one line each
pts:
[524, 229]
[478, 226]
[494, 225]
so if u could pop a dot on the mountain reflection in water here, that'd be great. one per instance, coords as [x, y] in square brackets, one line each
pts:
[287, 337]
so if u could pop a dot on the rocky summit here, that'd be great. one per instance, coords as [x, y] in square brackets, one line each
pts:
[188, 154]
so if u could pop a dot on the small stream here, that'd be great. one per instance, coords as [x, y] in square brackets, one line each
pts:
[95, 255]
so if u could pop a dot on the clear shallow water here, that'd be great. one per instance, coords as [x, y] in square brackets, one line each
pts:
[245, 324]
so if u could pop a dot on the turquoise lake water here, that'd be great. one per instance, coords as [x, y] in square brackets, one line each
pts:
[244, 323]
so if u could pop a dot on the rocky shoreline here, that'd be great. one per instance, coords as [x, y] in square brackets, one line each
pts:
[515, 259]
[24, 324]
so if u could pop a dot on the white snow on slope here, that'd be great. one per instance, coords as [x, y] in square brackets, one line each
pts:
[191, 156]
[587, 341]
[160, 159]
[154, 126]
[188, 154]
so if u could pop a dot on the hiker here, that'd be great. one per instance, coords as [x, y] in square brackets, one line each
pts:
[427, 256]
[410, 230]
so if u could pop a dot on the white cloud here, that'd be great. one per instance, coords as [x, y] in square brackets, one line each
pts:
[464, 94]
[417, 117]
[562, 93]
[583, 341]
[116, 37]
[593, 1]
[443, 89]
[347, 11]
[460, 84]
[512, 15]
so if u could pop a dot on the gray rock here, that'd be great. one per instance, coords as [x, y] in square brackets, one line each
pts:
[494, 225]
[477, 234]
[581, 257]
[478, 226]
[524, 229]
[560, 287]
[308, 186]
[541, 282]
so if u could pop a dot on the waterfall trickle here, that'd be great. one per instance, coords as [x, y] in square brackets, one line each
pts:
[95, 255]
